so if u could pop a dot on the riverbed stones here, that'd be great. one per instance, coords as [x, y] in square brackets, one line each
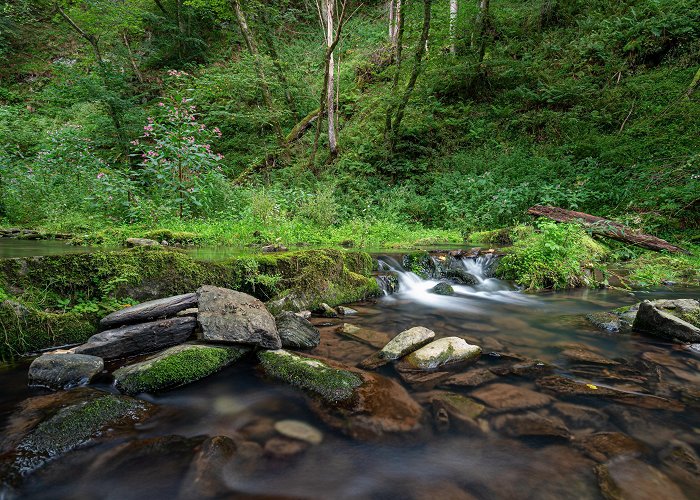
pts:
[149, 311]
[302, 431]
[406, 342]
[296, 332]
[441, 352]
[206, 477]
[175, 367]
[234, 317]
[367, 336]
[579, 416]
[471, 378]
[632, 478]
[327, 311]
[138, 339]
[505, 397]
[380, 409]
[310, 374]
[586, 356]
[455, 411]
[677, 320]
[604, 446]
[345, 311]
[531, 424]
[64, 370]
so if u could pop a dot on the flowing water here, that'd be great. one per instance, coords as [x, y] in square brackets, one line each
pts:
[493, 462]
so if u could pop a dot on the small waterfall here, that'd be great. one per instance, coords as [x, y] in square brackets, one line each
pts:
[477, 271]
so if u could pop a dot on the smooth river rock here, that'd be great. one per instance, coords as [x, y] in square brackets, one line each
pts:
[668, 319]
[406, 342]
[372, 338]
[633, 479]
[64, 370]
[149, 311]
[175, 367]
[441, 352]
[229, 316]
[506, 397]
[296, 332]
[138, 339]
[531, 424]
[302, 431]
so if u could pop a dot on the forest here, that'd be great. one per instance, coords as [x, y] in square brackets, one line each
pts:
[366, 123]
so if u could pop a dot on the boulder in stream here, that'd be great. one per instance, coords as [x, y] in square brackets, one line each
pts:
[64, 370]
[174, 367]
[441, 352]
[296, 332]
[406, 342]
[229, 316]
[132, 340]
[149, 311]
[443, 288]
[677, 320]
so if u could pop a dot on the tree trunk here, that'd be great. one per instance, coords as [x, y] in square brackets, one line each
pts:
[420, 50]
[390, 7]
[330, 93]
[454, 6]
[259, 69]
[161, 7]
[135, 67]
[694, 84]
[482, 24]
[397, 52]
[605, 227]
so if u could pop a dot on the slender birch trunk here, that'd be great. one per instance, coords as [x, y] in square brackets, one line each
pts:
[454, 7]
[330, 93]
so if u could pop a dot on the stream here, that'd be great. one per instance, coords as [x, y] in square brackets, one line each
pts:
[500, 460]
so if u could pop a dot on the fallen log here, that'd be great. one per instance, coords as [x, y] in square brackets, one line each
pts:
[606, 227]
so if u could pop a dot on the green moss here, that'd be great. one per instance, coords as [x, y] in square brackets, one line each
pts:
[175, 367]
[173, 237]
[72, 426]
[653, 269]
[419, 263]
[310, 374]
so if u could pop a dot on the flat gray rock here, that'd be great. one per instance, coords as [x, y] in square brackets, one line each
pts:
[138, 339]
[149, 311]
[296, 332]
[663, 318]
[229, 316]
[64, 370]
[442, 352]
[406, 342]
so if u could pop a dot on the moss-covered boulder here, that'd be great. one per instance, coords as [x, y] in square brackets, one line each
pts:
[175, 367]
[312, 375]
[48, 427]
[670, 319]
[295, 280]
[443, 288]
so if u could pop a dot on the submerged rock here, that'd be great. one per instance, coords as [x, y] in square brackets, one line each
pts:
[64, 370]
[506, 397]
[206, 477]
[345, 311]
[302, 431]
[282, 448]
[174, 367]
[445, 351]
[605, 321]
[406, 342]
[313, 375]
[381, 408]
[229, 316]
[443, 288]
[677, 320]
[372, 338]
[631, 478]
[604, 446]
[455, 411]
[471, 378]
[581, 416]
[586, 356]
[48, 427]
[296, 332]
[531, 424]
[138, 339]
[149, 311]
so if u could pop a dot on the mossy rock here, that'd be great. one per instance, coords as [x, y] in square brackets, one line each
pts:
[174, 367]
[77, 417]
[296, 280]
[331, 384]
[421, 264]
[173, 237]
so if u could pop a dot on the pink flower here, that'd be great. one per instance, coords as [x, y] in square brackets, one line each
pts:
[100, 175]
[150, 119]
[161, 104]
[148, 128]
[217, 131]
[202, 127]
[135, 142]
[151, 153]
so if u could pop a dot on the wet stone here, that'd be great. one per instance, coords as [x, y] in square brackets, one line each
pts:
[471, 378]
[372, 338]
[669, 319]
[442, 352]
[605, 321]
[422, 380]
[455, 411]
[206, 475]
[443, 288]
[327, 311]
[504, 397]
[531, 425]
[630, 478]
[302, 431]
[296, 332]
[149, 311]
[604, 446]
[581, 416]
[61, 371]
[345, 311]
[282, 448]
[406, 342]
[682, 463]
[586, 356]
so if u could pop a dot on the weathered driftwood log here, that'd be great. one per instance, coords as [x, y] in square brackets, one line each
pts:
[605, 227]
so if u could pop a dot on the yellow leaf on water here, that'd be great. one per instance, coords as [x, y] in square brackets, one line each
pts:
[591, 386]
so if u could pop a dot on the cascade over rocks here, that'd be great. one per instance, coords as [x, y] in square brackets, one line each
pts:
[229, 316]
